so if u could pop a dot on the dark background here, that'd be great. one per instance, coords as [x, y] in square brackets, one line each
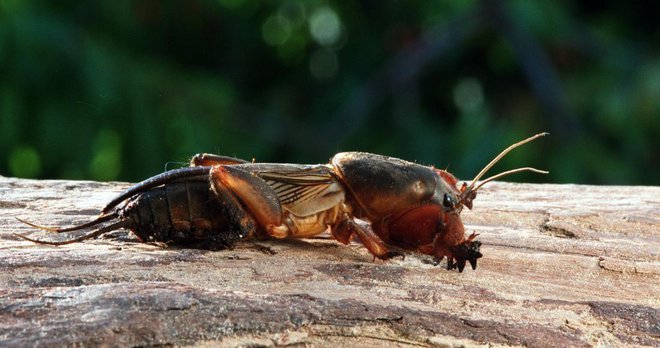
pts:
[114, 90]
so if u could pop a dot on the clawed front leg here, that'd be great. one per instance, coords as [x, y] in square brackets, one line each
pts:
[347, 227]
[457, 256]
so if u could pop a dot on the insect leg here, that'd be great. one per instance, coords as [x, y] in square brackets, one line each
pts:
[233, 209]
[207, 159]
[260, 199]
[347, 227]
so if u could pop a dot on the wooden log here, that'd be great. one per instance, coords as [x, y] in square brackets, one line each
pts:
[563, 265]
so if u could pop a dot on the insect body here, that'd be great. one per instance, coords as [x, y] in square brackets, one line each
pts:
[388, 203]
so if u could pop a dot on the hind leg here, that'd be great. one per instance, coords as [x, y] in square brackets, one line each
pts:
[258, 197]
[235, 212]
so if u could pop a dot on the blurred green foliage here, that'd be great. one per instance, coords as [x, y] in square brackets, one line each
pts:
[114, 90]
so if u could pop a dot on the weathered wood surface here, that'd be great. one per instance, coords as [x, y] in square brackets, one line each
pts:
[564, 265]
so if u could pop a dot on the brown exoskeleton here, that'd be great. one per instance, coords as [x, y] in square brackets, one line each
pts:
[388, 203]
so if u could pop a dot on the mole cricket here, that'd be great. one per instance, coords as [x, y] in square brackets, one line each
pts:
[390, 204]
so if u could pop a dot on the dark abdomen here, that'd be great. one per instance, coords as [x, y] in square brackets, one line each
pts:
[181, 213]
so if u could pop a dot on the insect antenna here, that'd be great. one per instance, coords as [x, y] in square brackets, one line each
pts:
[100, 231]
[469, 192]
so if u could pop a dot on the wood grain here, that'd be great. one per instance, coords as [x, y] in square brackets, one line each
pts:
[564, 265]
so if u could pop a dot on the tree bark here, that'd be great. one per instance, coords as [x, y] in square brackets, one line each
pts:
[563, 265]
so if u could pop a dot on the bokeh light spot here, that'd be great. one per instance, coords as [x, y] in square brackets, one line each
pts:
[468, 95]
[276, 30]
[106, 163]
[24, 162]
[325, 26]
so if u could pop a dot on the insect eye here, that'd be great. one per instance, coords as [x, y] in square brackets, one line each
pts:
[448, 201]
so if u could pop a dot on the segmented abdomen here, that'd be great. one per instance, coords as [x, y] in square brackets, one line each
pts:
[182, 212]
